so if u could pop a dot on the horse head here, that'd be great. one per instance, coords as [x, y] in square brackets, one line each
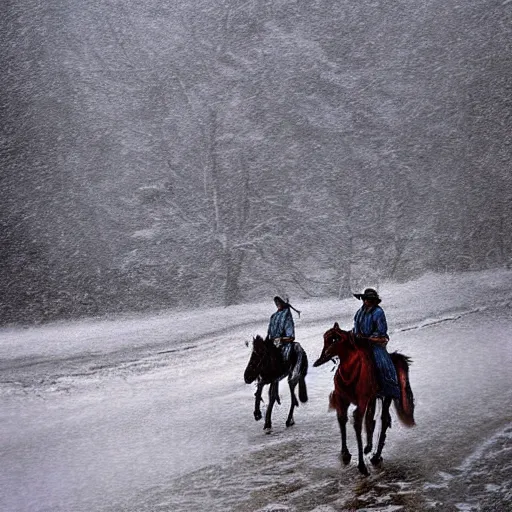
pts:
[334, 338]
[258, 353]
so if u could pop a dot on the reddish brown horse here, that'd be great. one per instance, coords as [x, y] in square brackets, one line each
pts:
[355, 383]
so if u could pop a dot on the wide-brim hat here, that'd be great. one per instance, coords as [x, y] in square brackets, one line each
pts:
[369, 294]
[285, 304]
[279, 300]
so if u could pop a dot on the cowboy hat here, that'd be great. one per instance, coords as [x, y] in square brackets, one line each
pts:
[370, 294]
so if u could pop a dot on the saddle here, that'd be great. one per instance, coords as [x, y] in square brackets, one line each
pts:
[282, 341]
[378, 341]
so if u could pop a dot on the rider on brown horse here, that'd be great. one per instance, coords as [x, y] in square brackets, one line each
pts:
[370, 323]
[281, 330]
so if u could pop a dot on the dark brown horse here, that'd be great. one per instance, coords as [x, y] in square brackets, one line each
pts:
[355, 383]
[266, 365]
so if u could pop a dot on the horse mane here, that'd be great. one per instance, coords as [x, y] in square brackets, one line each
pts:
[272, 352]
[363, 343]
[264, 342]
[358, 343]
[362, 347]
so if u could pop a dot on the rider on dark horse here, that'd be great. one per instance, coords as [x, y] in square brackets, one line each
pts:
[281, 330]
[370, 323]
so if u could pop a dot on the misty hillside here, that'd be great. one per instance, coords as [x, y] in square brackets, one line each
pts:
[203, 153]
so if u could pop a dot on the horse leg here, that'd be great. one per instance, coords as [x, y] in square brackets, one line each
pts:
[358, 426]
[370, 425]
[273, 393]
[386, 423]
[341, 411]
[290, 421]
[258, 400]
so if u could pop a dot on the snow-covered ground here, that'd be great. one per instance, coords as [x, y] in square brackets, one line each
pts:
[150, 413]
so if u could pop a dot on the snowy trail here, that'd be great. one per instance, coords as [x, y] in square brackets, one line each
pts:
[21, 371]
[299, 468]
[137, 422]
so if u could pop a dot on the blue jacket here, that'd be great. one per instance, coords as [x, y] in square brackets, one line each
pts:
[371, 322]
[281, 324]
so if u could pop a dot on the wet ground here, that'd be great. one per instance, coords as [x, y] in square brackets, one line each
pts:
[171, 429]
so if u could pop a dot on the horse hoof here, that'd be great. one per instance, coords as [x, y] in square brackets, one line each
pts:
[346, 457]
[268, 426]
[267, 430]
[289, 423]
[363, 470]
[368, 449]
[257, 415]
[376, 460]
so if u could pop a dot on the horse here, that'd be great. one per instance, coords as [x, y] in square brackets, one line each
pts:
[266, 365]
[355, 383]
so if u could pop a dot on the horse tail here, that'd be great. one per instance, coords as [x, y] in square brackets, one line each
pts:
[332, 401]
[405, 404]
[336, 402]
[303, 390]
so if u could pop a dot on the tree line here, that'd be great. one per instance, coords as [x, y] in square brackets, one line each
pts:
[174, 156]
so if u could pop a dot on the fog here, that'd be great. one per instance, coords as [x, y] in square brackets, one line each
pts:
[199, 154]
[168, 169]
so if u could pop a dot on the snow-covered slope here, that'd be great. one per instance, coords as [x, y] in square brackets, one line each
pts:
[151, 412]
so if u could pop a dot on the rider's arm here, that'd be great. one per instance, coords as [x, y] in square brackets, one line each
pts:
[380, 326]
[356, 329]
[271, 326]
[289, 327]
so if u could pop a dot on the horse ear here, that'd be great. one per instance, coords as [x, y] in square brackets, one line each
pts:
[336, 326]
